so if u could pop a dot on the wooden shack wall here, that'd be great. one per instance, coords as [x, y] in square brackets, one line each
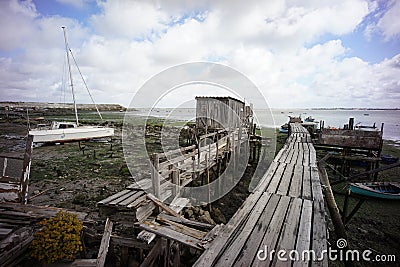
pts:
[218, 113]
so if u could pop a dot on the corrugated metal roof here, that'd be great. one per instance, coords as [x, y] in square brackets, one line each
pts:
[220, 98]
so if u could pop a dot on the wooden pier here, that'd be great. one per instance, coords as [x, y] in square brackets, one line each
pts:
[285, 212]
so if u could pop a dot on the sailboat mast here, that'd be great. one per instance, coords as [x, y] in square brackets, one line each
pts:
[70, 76]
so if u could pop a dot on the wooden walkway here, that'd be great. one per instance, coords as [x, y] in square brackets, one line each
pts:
[171, 171]
[285, 212]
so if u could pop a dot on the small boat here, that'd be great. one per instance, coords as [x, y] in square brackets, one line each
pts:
[60, 132]
[284, 128]
[388, 159]
[309, 119]
[385, 190]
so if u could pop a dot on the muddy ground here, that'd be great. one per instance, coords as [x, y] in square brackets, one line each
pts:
[77, 176]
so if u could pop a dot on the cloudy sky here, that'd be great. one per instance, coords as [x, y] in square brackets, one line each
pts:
[308, 53]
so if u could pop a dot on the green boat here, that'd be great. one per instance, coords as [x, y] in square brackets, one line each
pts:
[385, 190]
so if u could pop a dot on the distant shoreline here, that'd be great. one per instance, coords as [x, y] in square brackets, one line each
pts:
[23, 104]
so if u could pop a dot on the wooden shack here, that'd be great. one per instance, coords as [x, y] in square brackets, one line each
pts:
[216, 113]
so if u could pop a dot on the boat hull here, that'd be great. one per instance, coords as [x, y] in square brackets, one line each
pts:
[70, 134]
[366, 189]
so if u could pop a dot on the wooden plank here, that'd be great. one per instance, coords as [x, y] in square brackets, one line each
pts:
[129, 242]
[249, 250]
[319, 233]
[235, 246]
[313, 156]
[121, 198]
[179, 203]
[307, 184]
[187, 222]
[306, 157]
[297, 181]
[138, 201]
[132, 198]
[160, 204]
[266, 179]
[209, 258]
[287, 240]
[155, 176]
[182, 228]
[303, 242]
[105, 242]
[284, 185]
[171, 234]
[112, 197]
[142, 184]
[153, 255]
[271, 236]
[84, 263]
[316, 185]
[276, 178]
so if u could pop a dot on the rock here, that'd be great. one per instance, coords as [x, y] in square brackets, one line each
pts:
[189, 213]
[206, 218]
[218, 216]
[36, 192]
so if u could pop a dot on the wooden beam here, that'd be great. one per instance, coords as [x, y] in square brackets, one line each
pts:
[105, 242]
[164, 207]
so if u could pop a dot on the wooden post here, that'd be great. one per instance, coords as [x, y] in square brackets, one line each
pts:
[208, 181]
[379, 153]
[331, 203]
[176, 181]
[233, 157]
[105, 241]
[351, 124]
[26, 169]
[155, 176]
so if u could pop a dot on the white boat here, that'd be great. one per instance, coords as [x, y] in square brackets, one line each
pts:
[61, 132]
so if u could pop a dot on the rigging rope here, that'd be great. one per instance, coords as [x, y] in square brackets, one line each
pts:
[87, 88]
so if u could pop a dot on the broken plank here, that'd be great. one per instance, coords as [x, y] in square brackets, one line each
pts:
[105, 242]
[187, 222]
[162, 205]
[171, 234]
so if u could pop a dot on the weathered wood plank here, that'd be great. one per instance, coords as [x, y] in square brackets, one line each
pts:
[121, 198]
[105, 242]
[307, 183]
[303, 242]
[113, 197]
[284, 185]
[271, 236]
[235, 247]
[319, 233]
[130, 199]
[287, 240]
[297, 181]
[171, 234]
[276, 178]
[249, 250]
[316, 185]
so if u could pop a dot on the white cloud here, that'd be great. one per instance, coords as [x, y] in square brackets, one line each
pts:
[389, 23]
[129, 41]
